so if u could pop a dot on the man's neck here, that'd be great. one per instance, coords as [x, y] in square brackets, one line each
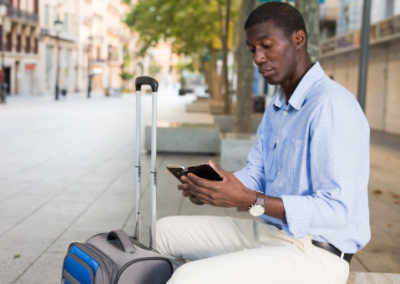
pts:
[290, 86]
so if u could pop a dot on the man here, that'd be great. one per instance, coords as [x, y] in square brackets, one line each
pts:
[306, 177]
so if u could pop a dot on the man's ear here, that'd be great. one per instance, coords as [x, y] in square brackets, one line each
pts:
[300, 39]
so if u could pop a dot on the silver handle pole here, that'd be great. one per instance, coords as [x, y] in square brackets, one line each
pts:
[138, 165]
[153, 172]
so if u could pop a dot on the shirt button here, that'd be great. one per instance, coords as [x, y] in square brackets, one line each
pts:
[279, 173]
[285, 112]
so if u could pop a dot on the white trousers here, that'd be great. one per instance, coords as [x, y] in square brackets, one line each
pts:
[227, 250]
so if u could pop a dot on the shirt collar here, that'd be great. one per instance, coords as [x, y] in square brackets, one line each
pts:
[279, 98]
[300, 93]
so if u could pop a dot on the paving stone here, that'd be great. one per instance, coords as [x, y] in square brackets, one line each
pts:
[49, 267]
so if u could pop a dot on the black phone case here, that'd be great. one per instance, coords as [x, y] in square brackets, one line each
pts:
[204, 171]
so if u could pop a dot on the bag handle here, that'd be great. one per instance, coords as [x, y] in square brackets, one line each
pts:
[123, 241]
[146, 80]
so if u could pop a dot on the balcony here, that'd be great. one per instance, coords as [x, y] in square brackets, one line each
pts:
[24, 16]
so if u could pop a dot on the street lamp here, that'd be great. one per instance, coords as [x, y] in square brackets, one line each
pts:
[3, 13]
[58, 26]
[89, 87]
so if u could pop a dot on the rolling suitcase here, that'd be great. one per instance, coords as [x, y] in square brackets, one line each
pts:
[113, 257]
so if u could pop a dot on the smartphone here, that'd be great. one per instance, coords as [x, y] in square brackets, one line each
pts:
[204, 171]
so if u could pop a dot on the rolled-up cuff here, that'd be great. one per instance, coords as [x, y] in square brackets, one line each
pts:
[298, 210]
[248, 182]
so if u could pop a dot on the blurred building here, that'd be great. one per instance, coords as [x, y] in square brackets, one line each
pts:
[104, 43]
[350, 13]
[328, 12]
[20, 32]
[340, 58]
[93, 41]
[58, 49]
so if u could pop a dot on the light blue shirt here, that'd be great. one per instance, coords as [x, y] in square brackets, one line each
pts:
[314, 154]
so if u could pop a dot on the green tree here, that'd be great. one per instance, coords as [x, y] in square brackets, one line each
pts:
[190, 27]
[125, 75]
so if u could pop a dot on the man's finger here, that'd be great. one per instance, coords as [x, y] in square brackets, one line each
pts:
[198, 181]
[195, 200]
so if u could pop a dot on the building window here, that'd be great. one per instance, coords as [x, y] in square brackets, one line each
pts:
[19, 45]
[49, 64]
[28, 44]
[66, 22]
[67, 65]
[36, 7]
[46, 15]
[389, 8]
[98, 53]
[36, 45]
[9, 41]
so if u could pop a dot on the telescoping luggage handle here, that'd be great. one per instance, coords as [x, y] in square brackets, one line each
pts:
[145, 80]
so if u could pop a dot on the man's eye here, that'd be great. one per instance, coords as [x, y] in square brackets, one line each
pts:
[266, 46]
[252, 50]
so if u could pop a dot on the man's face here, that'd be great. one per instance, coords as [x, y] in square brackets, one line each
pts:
[274, 53]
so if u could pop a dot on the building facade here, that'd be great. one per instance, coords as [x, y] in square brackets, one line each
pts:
[58, 49]
[92, 43]
[104, 44]
[20, 33]
[340, 57]
[350, 13]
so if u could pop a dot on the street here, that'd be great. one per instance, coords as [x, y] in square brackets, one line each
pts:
[67, 172]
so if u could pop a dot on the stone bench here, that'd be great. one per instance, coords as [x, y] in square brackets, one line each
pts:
[373, 278]
[225, 122]
[234, 150]
[177, 137]
[199, 105]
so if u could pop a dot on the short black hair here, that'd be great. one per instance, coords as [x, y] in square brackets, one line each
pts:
[282, 15]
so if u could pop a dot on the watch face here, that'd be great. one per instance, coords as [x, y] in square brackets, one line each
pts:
[256, 210]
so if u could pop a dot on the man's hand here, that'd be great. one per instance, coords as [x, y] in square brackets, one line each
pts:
[229, 192]
[187, 193]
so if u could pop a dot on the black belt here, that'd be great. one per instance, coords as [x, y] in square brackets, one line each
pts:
[334, 250]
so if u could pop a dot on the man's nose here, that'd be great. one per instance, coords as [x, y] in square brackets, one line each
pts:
[259, 57]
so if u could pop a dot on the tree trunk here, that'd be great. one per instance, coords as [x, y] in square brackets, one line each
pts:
[243, 110]
[225, 79]
[213, 81]
[310, 11]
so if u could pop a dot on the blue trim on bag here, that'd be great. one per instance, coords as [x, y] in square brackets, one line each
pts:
[85, 257]
[78, 271]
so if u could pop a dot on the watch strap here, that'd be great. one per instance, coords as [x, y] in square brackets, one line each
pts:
[259, 198]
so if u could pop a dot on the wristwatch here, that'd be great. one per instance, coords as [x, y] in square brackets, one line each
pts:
[257, 208]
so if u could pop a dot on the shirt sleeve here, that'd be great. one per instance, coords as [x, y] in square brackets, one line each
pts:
[339, 170]
[253, 175]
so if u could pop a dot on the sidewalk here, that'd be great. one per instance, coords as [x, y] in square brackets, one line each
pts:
[67, 172]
